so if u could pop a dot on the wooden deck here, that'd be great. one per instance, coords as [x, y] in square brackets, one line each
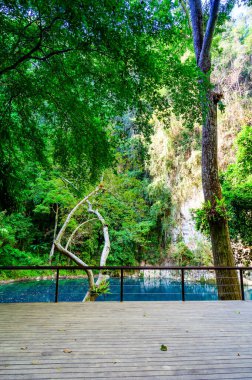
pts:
[205, 340]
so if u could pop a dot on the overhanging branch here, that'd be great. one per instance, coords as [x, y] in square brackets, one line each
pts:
[25, 57]
[51, 54]
[37, 46]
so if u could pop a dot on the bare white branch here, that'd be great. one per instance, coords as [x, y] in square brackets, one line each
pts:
[54, 233]
[76, 229]
[77, 260]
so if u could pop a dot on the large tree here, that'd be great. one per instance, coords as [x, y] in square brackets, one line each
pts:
[67, 70]
[227, 281]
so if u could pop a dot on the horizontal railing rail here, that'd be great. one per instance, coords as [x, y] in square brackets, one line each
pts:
[109, 267]
[123, 269]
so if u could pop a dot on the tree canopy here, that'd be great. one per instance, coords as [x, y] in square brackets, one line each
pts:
[69, 70]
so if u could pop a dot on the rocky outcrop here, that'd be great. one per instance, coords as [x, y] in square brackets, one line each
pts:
[243, 254]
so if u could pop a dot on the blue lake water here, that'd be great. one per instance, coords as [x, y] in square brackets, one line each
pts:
[135, 289]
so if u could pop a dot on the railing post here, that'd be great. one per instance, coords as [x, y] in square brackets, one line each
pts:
[57, 286]
[121, 292]
[183, 284]
[242, 285]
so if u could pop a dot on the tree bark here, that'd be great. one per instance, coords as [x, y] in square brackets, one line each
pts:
[54, 233]
[105, 252]
[77, 260]
[227, 281]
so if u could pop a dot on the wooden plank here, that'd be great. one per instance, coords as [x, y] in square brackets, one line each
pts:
[205, 340]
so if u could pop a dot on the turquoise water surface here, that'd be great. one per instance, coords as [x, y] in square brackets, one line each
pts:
[135, 289]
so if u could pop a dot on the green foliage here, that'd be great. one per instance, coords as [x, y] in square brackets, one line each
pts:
[160, 196]
[182, 255]
[15, 229]
[237, 188]
[10, 256]
[201, 255]
[132, 227]
[210, 212]
[221, 106]
[103, 288]
[48, 191]
[79, 82]
[13, 256]
[134, 211]
[244, 154]
[68, 71]
[236, 205]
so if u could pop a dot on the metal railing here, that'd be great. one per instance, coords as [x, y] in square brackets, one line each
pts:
[123, 269]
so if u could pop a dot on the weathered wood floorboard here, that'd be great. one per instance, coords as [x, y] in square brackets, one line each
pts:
[205, 340]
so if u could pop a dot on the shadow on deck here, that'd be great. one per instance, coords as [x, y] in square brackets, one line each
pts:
[205, 340]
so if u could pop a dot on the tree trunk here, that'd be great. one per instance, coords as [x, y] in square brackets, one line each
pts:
[105, 252]
[227, 281]
[92, 293]
[54, 233]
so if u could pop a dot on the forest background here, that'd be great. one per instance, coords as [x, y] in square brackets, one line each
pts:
[118, 108]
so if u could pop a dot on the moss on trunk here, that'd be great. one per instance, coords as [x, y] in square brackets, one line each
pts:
[227, 281]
